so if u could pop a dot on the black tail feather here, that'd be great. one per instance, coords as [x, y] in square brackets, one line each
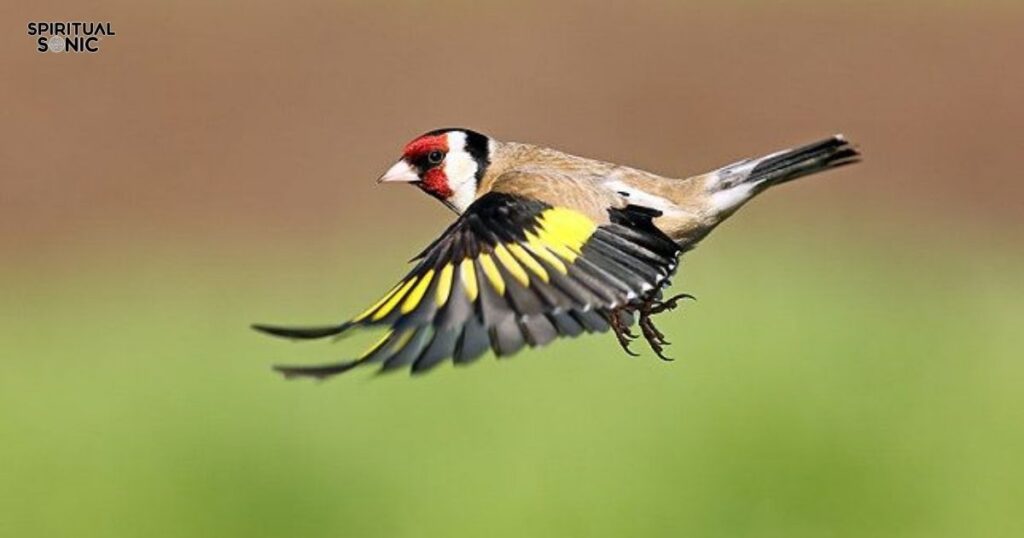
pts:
[810, 159]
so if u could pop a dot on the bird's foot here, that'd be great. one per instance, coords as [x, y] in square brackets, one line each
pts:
[647, 308]
[658, 306]
[620, 326]
[650, 308]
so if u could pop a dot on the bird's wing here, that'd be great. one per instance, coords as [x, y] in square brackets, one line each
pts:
[511, 271]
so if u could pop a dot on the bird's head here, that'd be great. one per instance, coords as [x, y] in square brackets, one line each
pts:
[446, 164]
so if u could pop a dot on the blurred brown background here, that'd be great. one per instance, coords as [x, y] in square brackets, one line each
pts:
[230, 121]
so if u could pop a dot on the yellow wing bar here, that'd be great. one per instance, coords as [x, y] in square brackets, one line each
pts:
[556, 237]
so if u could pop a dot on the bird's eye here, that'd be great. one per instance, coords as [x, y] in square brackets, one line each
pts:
[435, 157]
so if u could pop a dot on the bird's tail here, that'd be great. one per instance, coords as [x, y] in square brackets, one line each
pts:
[803, 161]
[732, 185]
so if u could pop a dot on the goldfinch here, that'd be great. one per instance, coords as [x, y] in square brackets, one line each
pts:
[545, 245]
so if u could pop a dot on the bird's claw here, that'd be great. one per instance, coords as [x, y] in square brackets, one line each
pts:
[654, 337]
[647, 308]
[671, 303]
[622, 333]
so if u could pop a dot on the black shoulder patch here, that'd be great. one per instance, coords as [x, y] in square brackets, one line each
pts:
[478, 147]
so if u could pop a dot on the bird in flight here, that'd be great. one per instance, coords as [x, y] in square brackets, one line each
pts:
[546, 245]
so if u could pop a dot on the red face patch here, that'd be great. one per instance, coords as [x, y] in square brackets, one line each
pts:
[424, 145]
[432, 176]
[435, 182]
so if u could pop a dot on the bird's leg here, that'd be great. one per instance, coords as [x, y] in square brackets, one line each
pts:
[650, 307]
[621, 329]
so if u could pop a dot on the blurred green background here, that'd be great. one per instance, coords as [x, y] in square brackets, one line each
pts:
[852, 367]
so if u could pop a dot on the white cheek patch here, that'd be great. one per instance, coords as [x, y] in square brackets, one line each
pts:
[460, 167]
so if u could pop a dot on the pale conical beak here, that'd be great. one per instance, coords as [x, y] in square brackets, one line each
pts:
[401, 172]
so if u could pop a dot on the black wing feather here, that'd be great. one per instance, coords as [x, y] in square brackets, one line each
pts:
[560, 282]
